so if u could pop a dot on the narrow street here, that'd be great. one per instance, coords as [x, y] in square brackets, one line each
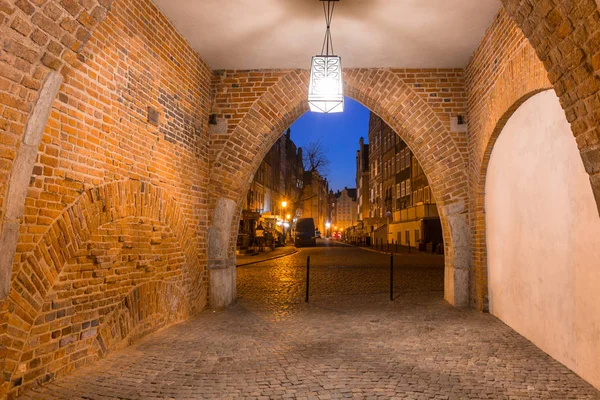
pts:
[349, 341]
[339, 273]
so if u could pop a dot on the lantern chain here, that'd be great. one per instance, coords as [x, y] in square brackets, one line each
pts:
[327, 41]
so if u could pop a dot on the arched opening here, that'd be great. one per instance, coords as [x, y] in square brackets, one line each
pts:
[543, 280]
[367, 196]
[399, 107]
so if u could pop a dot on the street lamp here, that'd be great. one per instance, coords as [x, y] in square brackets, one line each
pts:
[328, 227]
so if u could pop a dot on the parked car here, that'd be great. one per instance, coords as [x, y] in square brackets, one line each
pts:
[337, 235]
[318, 234]
[305, 233]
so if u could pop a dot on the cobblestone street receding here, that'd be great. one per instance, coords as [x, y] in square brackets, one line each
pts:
[349, 341]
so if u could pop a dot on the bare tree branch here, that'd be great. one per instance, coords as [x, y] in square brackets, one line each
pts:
[315, 158]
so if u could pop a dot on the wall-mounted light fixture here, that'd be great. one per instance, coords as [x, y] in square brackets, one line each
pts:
[325, 90]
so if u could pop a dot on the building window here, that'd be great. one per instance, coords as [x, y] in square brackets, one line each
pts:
[417, 237]
[426, 195]
[403, 189]
[408, 187]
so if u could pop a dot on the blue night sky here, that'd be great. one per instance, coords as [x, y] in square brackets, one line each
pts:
[339, 134]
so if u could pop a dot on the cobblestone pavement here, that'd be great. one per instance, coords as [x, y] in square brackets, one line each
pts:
[350, 341]
[246, 259]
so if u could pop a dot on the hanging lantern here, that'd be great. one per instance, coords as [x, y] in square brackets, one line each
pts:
[325, 91]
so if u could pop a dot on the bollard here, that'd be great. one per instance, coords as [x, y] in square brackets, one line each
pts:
[307, 277]
[391, 277]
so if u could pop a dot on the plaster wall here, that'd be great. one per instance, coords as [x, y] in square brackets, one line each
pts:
[543, 237]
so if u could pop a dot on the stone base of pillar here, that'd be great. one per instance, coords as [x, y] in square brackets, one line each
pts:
[222, 284]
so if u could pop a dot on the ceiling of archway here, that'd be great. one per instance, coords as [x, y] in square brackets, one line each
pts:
[253, 34]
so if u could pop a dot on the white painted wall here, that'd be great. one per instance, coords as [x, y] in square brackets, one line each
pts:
[543, 236]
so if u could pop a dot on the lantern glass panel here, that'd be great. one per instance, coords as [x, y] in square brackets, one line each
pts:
[325, 92]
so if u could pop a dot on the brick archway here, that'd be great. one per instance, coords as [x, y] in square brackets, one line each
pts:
[564, 35]
[124, 211]
[400, 107]
[519, 76]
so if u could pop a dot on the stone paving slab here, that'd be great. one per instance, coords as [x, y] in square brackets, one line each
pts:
[350, 341]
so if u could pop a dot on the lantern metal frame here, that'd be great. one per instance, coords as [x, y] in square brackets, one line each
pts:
[325, 90]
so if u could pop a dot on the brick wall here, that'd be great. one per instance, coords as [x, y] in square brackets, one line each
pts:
[35, 38]
[444, 91]
[115, 214]
[234, 92]
[566, 37]
[503, 72]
